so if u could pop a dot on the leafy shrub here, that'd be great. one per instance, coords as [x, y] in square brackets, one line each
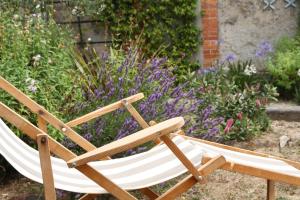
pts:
[120, 74]
[284, 67]
[34, 56]
[238, 96]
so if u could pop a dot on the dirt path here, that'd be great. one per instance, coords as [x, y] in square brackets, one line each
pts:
[221, 185]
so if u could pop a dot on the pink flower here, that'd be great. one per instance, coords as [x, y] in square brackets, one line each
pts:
[228, 125]
[258, 103]
[240, 116]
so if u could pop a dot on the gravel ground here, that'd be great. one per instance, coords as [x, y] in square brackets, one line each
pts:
[221, 185]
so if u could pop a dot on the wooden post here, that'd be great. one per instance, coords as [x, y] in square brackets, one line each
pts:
[270, 190]
[46, 167]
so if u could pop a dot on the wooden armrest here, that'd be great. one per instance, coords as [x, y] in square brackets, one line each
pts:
[129, 142]
[104, 110]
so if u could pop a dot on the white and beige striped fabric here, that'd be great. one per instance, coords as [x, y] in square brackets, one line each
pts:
[134, 172]
[269, 164]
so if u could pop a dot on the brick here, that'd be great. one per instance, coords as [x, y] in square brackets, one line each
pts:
[210, 28]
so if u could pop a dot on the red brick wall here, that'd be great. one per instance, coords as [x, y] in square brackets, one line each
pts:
[210, 32]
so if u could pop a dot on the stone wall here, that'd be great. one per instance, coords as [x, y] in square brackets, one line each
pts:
[244, 24]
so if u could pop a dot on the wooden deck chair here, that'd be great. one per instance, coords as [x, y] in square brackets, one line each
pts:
[268, 167]
[93, 172]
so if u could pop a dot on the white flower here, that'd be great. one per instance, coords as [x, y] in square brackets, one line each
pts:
[101, 8]
[32, 88]
[89, 39]
[31, 84]
[77, 11]
[16, 17]
[37, 57]
[249, 70]
[38, 6]
[74, 11]
[30, 81]
[298, 73]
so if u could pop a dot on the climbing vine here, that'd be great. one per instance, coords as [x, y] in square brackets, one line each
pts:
[168, 25]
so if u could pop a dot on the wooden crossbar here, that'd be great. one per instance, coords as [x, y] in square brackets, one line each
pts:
[104, 110]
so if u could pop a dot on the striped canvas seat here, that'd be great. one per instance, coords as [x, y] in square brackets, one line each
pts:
[257, 162]
[137, 171]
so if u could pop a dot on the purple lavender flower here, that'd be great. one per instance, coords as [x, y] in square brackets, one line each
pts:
[230, 58]
[163, 98]
[264, 49]
[88, 136]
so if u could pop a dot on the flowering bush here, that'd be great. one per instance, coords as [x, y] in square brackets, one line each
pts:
[237, 95]
[34, 57]
[121, 74]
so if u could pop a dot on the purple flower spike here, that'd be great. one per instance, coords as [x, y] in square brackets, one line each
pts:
[230, 58]
[264, 49]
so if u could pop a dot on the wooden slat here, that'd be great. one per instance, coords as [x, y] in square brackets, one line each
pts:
[88, 197]
[129, 142]
[149, 193]
[104, 110]
[190, 180]
[42, 124]
[46, 167]
[180, 155]
[135, 114]
[293, 163]
[47, 116]
[270, 190]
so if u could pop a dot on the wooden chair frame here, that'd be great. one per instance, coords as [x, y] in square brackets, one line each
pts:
[48, 144]
[104, 152]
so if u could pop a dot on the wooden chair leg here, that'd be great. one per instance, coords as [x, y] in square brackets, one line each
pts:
[46, 167]
[190, 180]
[270, 190]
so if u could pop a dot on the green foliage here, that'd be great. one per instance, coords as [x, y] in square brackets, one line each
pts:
[167, 27]
[284, 66]
[34, 56]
